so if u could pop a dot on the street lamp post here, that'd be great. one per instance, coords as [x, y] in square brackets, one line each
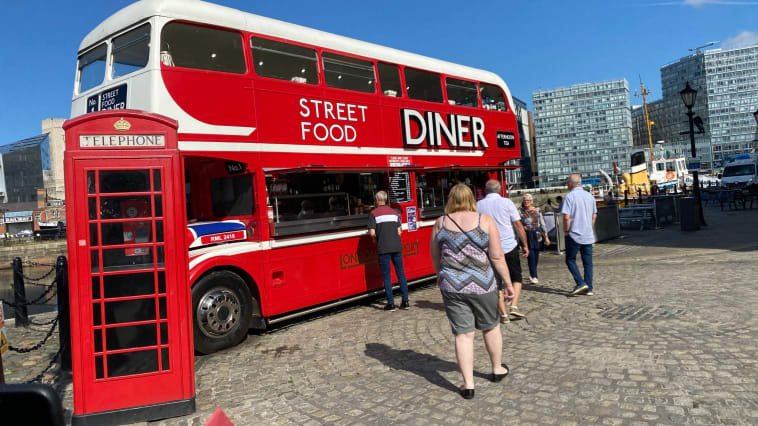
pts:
[755, 115]
[688, 97]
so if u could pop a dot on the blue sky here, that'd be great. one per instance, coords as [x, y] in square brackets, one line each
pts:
[531, 44]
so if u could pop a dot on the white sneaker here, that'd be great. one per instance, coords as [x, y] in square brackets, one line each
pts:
[535, 281]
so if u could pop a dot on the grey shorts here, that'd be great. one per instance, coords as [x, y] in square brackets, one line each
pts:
[469, 311]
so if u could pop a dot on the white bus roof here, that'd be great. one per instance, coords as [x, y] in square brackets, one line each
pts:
[213, 14]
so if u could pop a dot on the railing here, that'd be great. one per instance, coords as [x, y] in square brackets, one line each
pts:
[58, 287]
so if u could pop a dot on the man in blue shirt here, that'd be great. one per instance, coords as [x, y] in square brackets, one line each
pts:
[579, 214]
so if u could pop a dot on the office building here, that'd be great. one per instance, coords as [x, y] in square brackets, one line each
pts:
[34, 163]
[726, 81]
[581, 129]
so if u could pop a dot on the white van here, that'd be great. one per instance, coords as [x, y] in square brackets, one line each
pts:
[740, 171]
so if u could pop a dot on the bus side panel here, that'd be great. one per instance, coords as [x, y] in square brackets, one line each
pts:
[212, 97]
[312, 274]
[251, 263]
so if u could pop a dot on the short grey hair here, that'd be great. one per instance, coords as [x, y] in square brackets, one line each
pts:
[575, 179]
[380, 196]
[492, 187]
[528, 196]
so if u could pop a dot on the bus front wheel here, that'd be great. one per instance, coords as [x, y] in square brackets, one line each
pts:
[221, 307]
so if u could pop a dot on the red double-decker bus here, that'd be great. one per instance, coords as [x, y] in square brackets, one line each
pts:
[286, 133]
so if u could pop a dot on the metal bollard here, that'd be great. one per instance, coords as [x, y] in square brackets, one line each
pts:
[64, 314]
[19, 294]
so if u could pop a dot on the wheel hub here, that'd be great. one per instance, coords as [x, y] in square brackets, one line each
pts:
[218, 312]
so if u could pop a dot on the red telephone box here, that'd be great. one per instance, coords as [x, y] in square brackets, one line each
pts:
[131, 330]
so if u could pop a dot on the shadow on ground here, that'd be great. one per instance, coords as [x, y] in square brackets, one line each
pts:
[423, 365]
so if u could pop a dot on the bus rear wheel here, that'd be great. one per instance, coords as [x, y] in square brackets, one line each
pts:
[221, 308]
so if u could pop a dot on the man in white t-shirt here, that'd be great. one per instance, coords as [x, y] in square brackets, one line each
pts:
[507, 218]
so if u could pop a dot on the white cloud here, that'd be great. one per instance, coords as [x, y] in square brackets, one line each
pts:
[743, 39]
[701, 3]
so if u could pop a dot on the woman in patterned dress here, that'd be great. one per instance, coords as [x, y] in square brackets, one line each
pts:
[536, 233]
[465, 247]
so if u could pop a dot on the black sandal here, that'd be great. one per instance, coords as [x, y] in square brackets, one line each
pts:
[498, 377]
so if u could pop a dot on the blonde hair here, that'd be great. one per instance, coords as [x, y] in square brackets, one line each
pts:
[460, 199]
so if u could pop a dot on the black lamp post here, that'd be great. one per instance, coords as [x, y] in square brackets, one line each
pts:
[755, 114]
[688, 97]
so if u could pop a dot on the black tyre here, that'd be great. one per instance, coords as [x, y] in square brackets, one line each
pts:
[221, 308]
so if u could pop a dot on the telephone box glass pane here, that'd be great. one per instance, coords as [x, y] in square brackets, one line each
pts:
[90, 182]
[95, 288]
[98, 340]
[125, 181]
[92, 235]
[159, 231]
[125, 364]
[156, 180]
[99, 367]
[138, 284]
[96, 316]
[95, 259]
[119, 233]
[164, 359]
[161, 282]
[134, 336]
[130, 311]
[92, 208]
[129, 207]
[158, 206]
[127, 258]
[162, 307]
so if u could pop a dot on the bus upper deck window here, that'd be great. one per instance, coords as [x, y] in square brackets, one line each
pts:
[284, 61]
[92, 68]
[192, 46]
[344, 72]
[492, 97]
[389, 80]
[130, 51]
[423, 85]
[461, 92]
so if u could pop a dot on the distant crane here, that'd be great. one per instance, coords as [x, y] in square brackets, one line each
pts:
[697, 49]
[644, 92]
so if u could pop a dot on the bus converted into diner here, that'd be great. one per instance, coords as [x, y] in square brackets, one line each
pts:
[285, 134]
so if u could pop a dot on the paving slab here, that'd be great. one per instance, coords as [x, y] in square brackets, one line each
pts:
[670, 337]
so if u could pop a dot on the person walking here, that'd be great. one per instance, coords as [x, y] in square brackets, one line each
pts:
[465, 247]
[536, 234]
[385, 229]
[579, 215]
[507, 219]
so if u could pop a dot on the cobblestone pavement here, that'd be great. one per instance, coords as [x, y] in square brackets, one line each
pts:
[670, 337]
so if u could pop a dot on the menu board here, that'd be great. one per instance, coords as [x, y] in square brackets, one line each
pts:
[400, 187]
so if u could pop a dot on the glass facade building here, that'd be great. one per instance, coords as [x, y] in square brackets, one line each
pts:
[732, 81]
[26, 167]
[726, 81]
[581, 129]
